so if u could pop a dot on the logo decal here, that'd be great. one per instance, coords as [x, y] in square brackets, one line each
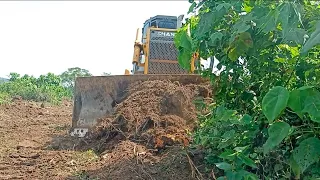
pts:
[167, 34]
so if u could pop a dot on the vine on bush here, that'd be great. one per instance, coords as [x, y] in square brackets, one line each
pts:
[265, 123]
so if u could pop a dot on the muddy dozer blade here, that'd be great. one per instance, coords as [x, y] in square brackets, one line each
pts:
[95, 97]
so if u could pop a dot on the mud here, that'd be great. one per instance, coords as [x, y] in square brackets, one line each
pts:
[143, 140]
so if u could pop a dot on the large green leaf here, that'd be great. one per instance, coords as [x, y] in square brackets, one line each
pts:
[296, 35]
[224, 144]
[312, 107]
[209, 19]
[205, 23]
[184, 44]
[240, 174]
[298, 10]
[228, 154]
[297, 99]
[228, 114]
[224, 114]
[241, 44]
[277, 132]
[247, 161]
[294, 167]
[229, 134]
[289, 17]
[242, 25]
[214, 37]
[185, 40]
[224, 166]
[305, 100]
[269, 22]
[227, 6]
[283, 15]
[313, 40]
[307, 153]
[274, 102]
[233, 55]
[184, 58]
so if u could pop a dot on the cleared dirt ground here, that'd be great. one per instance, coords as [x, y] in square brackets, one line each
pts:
[34, 141]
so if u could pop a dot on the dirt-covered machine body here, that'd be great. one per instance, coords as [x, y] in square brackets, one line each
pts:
[154, 58]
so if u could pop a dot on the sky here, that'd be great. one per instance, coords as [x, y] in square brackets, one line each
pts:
[37, 37]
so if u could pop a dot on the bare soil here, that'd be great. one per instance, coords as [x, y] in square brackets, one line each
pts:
[145, 139]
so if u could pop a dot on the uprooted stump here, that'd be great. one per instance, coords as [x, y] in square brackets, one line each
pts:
[156, 114]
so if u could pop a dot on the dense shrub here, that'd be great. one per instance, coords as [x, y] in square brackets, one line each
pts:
[46, 88]
[4, 98]
[265, 122]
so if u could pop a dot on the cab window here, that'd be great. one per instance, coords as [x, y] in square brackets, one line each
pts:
[145, 28]
[154, 24]
[168, 25]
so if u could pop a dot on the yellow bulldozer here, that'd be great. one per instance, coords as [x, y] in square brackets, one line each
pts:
[154, 58]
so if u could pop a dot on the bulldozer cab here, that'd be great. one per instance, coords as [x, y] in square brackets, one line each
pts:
[157, 54]
[159, 21]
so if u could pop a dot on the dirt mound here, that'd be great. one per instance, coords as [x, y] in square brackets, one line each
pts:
[156, 113]
[23, 109]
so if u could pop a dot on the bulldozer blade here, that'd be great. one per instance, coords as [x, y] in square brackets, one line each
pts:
[95, 97]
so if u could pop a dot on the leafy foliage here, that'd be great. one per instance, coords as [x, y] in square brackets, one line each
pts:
[274, 102]
[45, 88]
[50, 87]
[4, 98]
[265, 122]
[68, 77]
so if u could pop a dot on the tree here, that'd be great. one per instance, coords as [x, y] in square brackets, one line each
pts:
[14, 76]
[68, 77]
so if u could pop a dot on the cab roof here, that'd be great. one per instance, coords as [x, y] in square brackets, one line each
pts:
[160, 17]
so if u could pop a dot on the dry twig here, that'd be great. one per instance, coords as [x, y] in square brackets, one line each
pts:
[213, 176]
[195, 172]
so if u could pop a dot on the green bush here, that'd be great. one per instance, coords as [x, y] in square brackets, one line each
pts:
[46, 88]
[4, 98]
[265, 123]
